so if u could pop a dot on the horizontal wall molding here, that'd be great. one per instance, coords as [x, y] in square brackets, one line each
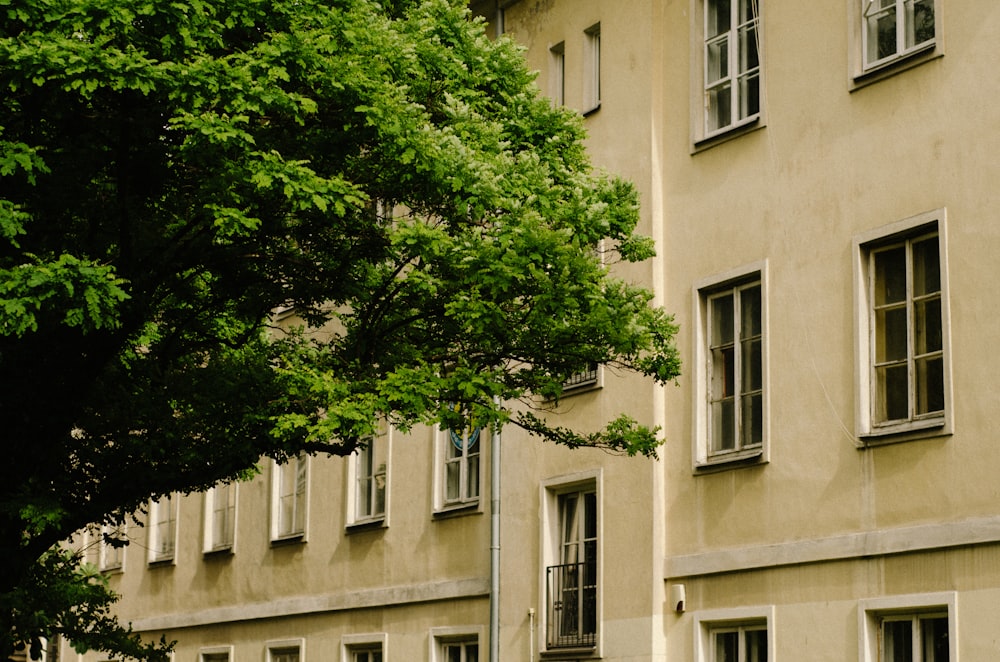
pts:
[925, 537]
[312, 604]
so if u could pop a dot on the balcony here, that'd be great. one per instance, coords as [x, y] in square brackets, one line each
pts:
[572, 605]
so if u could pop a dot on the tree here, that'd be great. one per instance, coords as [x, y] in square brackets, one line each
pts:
[172, 173]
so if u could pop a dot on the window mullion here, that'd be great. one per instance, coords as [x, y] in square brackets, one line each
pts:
[911, 366]
[737, 367]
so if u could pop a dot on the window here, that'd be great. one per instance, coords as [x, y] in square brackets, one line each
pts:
[113, 540]
[734, 635]
[557, 73]
[732, 418]
[591, 377]
[732, 64]
[572, 585]
[220, 518]
[288, 499]
[460, 466]
[286, 651]
[916, 628]
[592, 68]
[894, 29]
[216, 654]
[363, 647]
[905, 373]
[461, 651]
[162, 528]
[367, 474]
[367, 654]
[456, 644]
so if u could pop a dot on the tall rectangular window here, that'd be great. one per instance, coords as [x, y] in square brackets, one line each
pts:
[736, 398]
[572, 584]
[903, 328]
[592, 68]
[220, 517]
[732, 64]
[162, 528]
[112, 548]
[557, 73]
[908, 361]
[288, 515]
[370, 480]
[894, 29]
[461, 466]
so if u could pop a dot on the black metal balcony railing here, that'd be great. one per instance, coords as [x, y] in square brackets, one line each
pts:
[572, 605]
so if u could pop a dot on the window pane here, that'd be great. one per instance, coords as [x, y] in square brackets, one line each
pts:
[749, 96]
[752, 373]
[926, 267]
[882, 35]
[452, 478]
[590, 515]
[890, 276]
[751, 427]
[897, 641]
[748, 10]
[472, 653]
[934, 639]
[727, 646]
[927, 322]
[756, 646]
[749, 51]
[930, 385]
[472, 476]
[923, 23]
[750, 312]
[453, 653]
[717, 19]
[890, 335]
[716, 60]
[722, 426]
[892, 399]
[723, 372]
[720, 103]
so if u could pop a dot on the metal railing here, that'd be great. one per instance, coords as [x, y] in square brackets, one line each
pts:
[572, 605]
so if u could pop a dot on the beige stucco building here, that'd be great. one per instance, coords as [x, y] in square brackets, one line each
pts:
[820, 180]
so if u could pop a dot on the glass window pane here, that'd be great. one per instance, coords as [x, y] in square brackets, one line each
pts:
[890, 276]
[723, 373]
[926, 267]
[720, 111]
[472, 653]
[930, 385]
[756, 646]
[749, 90]
[897, 641]
[923, 23]
[716, 60]
[472, 476]
[748, 10]
[722, 320]
[452, 478]
[752, 373]
[748, 47]
[750, 324]
[891, 396]
[726, 646]
[717, 17]
[890, 335]
[722, 426]
[752, 423]
[927, 323]
[590, 515]
[934, 639]
[882, 35]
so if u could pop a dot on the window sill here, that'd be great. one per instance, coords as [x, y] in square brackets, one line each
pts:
[910, 431]
[746, 458]
[590, 111]
[458, 510]
[888, 69]
[295, 539]
[218, 552]
[371, 524]
[576, 653]
[161, 563]
[747, 126]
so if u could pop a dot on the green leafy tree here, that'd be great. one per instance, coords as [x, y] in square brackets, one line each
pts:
[172, 173]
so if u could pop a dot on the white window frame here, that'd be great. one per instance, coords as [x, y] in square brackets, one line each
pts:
[204, 653]
[280, 646]
[162, 539]
[443, 636]
[279, 532]
[709, 621]
[557, 73]
[379, 449]
[464, 500]
[111, 559]
[212, 509]
[869, 429]
[905, 56]
[592, 68]
[550, 535]
[872, 611]
[354, 643]
[701, 108]
[704, 290]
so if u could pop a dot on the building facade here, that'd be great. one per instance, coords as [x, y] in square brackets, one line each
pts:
[819, 180]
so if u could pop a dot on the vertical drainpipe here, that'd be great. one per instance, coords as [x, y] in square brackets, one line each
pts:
[495, 489]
